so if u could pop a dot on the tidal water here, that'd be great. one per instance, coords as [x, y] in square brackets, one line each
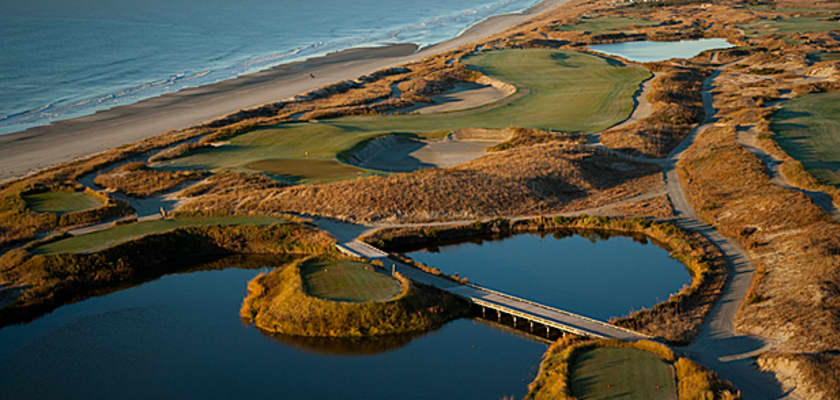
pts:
[62, 59]
[647, 51]
[181, 337]
[596, 276]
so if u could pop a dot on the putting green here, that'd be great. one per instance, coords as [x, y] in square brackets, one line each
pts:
[808, 128]
[61, 202]
[110, 237]
[348, 281]
[558, 90]
[621, 373]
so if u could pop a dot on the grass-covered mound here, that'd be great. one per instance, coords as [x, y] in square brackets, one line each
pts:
[279, 302]
[576, 368]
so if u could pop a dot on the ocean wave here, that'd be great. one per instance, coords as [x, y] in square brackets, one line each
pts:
[424, 32]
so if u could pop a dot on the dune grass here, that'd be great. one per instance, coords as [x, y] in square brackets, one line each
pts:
[122, 233]
[348, 281]
[808, 128]
[559, 90]
[621, 373]
[60, 202]
[605, 24]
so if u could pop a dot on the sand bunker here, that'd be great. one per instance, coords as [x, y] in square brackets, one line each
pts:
[395, 153]
[466, 95]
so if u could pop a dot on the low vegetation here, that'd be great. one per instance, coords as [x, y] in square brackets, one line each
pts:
[529, 137]
[677, 320]
[576, 368]
[54, 279]
[520, 181]
[279, 302]
[809, 376]
[138, 180]
[604, 24]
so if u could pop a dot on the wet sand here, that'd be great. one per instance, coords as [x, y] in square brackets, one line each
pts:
[37, 148]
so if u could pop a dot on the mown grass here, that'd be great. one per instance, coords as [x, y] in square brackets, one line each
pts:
[122, 233]
[559, 90]
[604, 24]
[60, 202]
[608, 373]
[808, 128]
[305, 171]
[816, 24]
[348, 281]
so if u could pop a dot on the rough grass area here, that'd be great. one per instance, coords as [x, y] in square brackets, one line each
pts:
[122, 233]
[808, 128]
[611, 373]
[559, 90]
[305, 171]
[138, 180]
[348, 281]
[61, 202]
[278, 302]
[604, 24]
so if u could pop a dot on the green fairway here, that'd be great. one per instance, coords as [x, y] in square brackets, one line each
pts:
[61, 202]
[808, 128]
[621, 373]
[605, 24]
[791, 25]
[348, 281]
[302, 171]
[559, 90]
[122, 233]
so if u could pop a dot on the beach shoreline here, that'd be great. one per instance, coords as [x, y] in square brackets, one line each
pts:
[29, 151]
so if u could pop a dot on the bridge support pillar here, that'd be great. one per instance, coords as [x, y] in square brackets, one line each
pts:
[499, 314]
[548, 331]
[532, 326]
[483, 312]
[514, 321]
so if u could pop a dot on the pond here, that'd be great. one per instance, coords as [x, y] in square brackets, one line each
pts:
[596, 276]
[647, 51]
[181, 336]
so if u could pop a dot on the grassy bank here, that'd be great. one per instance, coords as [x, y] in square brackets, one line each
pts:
[279, 302]
[348, 281]
[677, 320]
[95, 241]
[559, 90]
[574, 368]
[55, 279]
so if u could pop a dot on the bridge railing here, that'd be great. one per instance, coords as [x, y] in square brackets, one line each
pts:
[557, 310]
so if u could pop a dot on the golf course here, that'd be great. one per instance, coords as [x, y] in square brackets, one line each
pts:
[557, 90]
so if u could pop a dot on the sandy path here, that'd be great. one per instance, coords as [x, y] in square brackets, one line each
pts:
[41, 147]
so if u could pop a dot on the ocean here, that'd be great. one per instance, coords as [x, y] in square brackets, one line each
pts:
[61, 59]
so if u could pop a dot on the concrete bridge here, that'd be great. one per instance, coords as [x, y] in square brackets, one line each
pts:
[524, 314]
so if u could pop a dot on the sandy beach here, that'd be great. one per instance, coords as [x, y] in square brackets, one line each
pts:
[25, 152]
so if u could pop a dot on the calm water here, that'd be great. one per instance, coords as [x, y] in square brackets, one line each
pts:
[647, 51]
[596, 278]
[62, 59]
[181, 336]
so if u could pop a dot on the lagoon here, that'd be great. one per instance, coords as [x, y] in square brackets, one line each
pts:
[648, 51]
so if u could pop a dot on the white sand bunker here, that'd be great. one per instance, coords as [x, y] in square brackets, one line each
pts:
[399, 153]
